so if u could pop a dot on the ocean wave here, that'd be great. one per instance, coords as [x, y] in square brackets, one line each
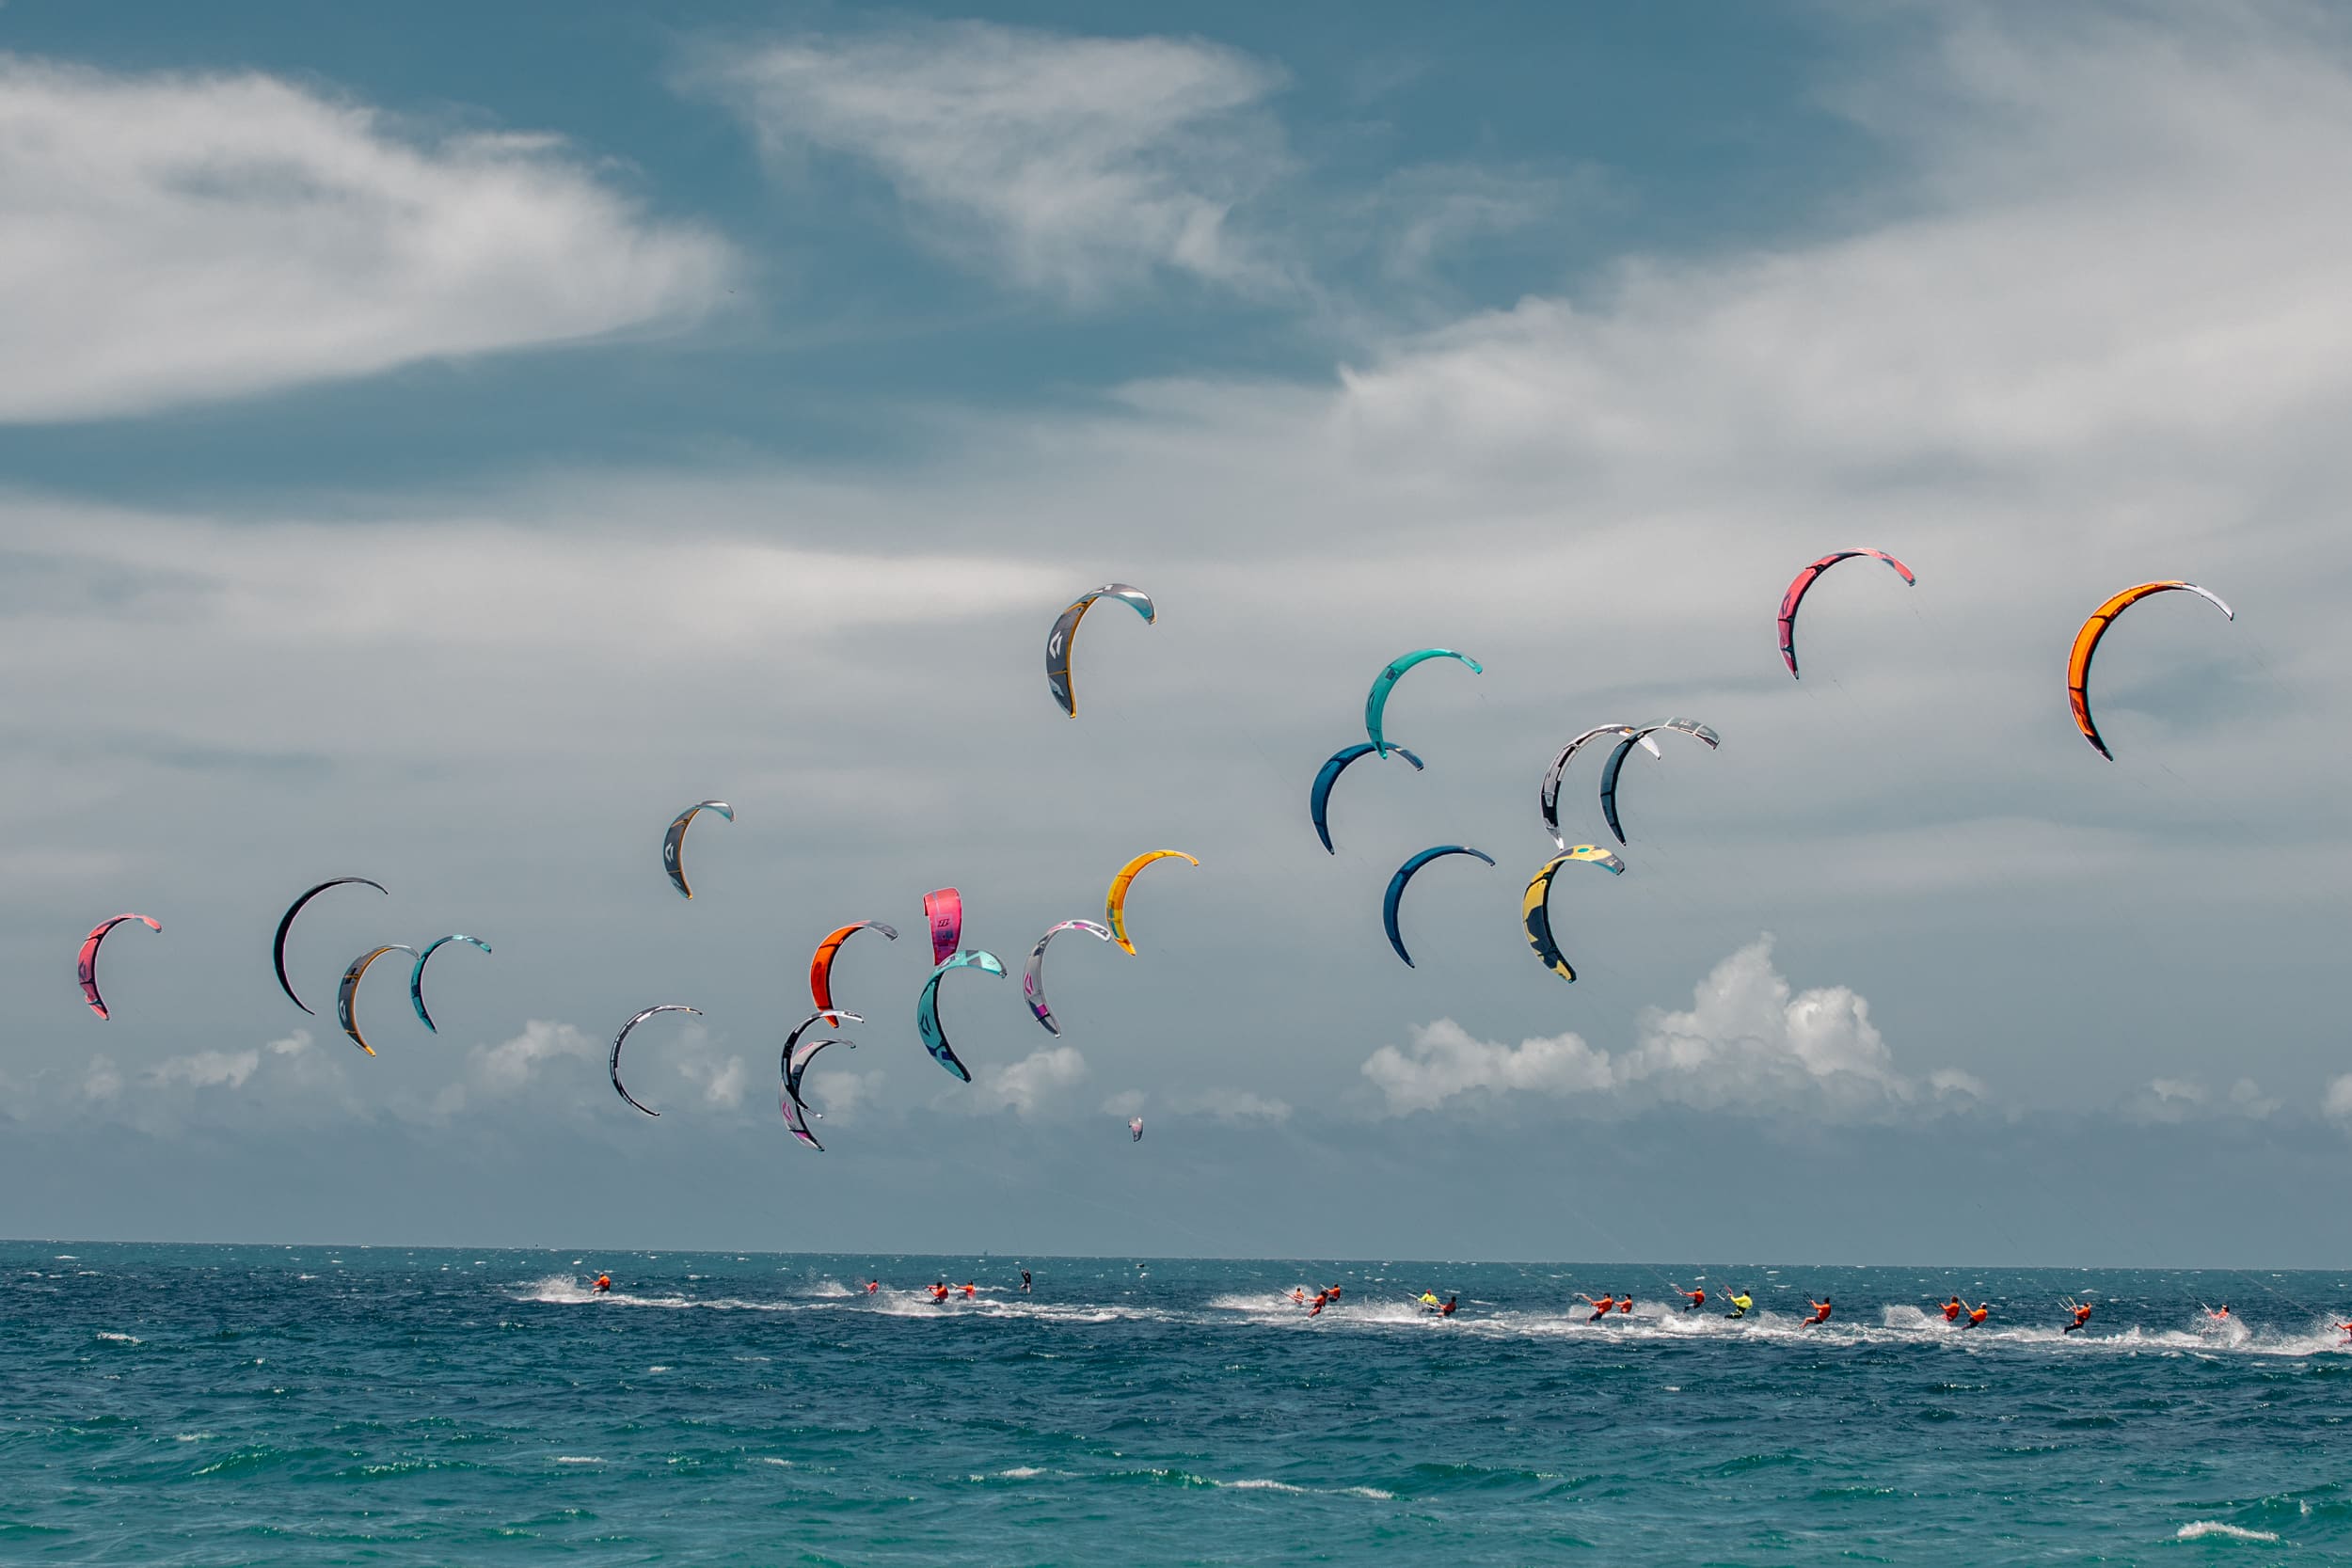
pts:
[2200, 1529]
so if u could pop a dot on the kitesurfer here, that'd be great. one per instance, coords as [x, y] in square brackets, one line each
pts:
[1821, 1314]
[1335, 1294]
[939, 1290]
[1625, 1306]
[1953, 1308]
[2347, 1332]
[1299, 1294]
[1741, 1302]
[1025, 1282]
[1447, 1310]
[2221, 1316]
[604, 1283]
[1601, 1309]
[873, 1286]
[1316, 1310]
[969, 1289]
[1698, 1298]
[2082, 1315]
[1978, 1313]
[1429, 1301]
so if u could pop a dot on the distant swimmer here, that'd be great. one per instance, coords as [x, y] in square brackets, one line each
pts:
[604, 1283]
[1025, 1282]
[1741, 1302]
[1821, 1314]
[1698, 1298]
[1978, 1313]
[1601, 1309]
[1953, 1308]
[2082, 1315]
[1447, 1310]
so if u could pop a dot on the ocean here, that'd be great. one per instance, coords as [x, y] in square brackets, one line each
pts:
[320, 1404]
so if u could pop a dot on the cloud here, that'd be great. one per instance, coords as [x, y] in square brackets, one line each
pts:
[1232, 1105]
[2182, 1100]
[1747, 1043]
[844, 1097]
[1079, 166]
[206, 1069]
[176, 238]
[510, 1065]
[1034, 1084]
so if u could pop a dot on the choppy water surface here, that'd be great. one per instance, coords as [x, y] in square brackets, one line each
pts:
[317, 1404]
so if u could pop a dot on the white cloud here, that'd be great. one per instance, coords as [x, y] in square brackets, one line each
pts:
[1233, 1105]
[843, 1096]
[102, 1080]
[170, 238]
[1034, 1084]
[510, 1063]
[1126, 1103]
[1747, 1042]
[2338, 1102]
[206, 1069]
[2179, 1099]
[1077, 165]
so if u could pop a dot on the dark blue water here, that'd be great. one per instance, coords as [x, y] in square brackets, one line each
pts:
[343, 1405]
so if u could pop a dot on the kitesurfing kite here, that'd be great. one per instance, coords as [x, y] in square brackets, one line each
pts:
[674, 842]
[615, 1067]
[927, 1010]
[1691, 727]
[944, 909]
[347, 993]
[1804, 585]
[86, 968]
[1548, 798]
[797, 1116]
[277, 947]
[1135, 1130]
[1033, 979]
[1376, 702]
[1404, 875]
[820, 967]
[1537, 910]
[1115, 902]
[2087, 643]
[1319, 797]
[1066, 629]
[416, 974]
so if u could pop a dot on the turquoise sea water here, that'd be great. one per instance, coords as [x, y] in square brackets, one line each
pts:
[186, 1405]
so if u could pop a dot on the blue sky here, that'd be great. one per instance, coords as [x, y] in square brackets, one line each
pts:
[439, 450]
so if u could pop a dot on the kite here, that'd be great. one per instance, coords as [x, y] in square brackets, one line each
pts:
[1404, 875]
[416, 974]
[674, 842]
[1033, 979]
[1135, 1130]
[2087, 643]
[1115, 902]
[616, 1068]
[1377, 702]
[1536, 910]
[348, 992]
[1548, 799]
[820, 967]
[797, 1116]
[86, 970]
[278, 948]
[1319, 797]
[944, 909]
[927, 1010]
[1804, 585]
[1066, 629]
[1691, 727]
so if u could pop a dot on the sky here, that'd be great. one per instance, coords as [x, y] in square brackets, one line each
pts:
[438, 446]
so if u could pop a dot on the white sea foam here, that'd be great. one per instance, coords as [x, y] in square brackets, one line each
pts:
[121, 1339]
[577, 1459]
[2201, 1528]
